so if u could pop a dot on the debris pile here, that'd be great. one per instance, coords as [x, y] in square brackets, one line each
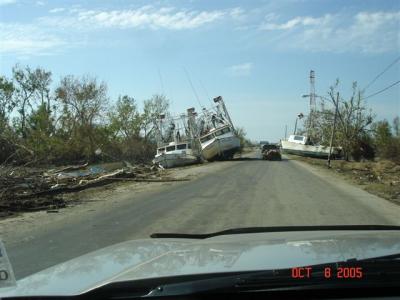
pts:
[31, 189]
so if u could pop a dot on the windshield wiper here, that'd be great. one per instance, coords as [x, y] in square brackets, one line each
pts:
[273, 229]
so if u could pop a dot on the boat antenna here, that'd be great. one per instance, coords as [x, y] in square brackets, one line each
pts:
[193, 89]
[206, 92]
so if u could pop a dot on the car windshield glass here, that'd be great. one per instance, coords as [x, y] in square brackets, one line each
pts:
[121, 121]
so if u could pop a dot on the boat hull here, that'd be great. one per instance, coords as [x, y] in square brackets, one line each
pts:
[308, 150]
[221, 148]
[171, 160]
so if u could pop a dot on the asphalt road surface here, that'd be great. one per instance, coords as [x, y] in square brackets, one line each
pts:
[244, 193]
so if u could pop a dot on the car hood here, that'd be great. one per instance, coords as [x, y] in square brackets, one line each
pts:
[151, 258]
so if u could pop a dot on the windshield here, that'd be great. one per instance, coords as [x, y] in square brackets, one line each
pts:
[121, 119]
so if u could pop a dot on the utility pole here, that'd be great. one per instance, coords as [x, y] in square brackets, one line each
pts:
[285, 132]
[333, 129]
[312, 105]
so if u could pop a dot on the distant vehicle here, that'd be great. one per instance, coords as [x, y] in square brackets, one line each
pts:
[262, 144]
[271, 152]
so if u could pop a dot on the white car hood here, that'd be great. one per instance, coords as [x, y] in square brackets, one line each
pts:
[151, 258]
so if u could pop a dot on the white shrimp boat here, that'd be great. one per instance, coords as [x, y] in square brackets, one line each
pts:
[299, 145]
[218, 139]
[219, 143]
[175, 155]
[176, 144]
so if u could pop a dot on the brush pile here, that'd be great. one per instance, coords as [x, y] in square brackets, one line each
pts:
[32, 189]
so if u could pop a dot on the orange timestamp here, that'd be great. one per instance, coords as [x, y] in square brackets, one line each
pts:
[329, 272]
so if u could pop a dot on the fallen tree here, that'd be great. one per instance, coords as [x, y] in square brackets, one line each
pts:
[30, 189]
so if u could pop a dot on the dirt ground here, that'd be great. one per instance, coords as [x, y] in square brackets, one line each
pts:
[381, 178]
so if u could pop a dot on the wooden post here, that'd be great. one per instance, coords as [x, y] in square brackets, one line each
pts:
[333, 129]
[285, 132]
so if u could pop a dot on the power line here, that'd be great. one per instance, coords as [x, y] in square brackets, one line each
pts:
[382, 90]
[380, 74]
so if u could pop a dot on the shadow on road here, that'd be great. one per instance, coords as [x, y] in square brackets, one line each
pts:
[258, 158]
[246, 158]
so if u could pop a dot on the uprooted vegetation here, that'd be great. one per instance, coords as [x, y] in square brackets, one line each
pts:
[381, 178]
[33, 189]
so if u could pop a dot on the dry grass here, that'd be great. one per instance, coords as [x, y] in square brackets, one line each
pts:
[381, 178]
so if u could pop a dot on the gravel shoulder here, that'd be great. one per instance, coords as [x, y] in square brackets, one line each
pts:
[380, 178]
[389, 209]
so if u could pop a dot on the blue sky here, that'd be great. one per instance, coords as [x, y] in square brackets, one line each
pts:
[256, 54]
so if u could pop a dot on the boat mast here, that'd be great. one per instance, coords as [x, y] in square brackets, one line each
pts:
[158, 128]
[193, 130]
[221, 104]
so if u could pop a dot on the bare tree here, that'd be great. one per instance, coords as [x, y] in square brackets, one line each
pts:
[83, 101]
[153, 108]
[43, 81]
[7, 103]
[396, 126]
[124, 117]
[25, 88]
[353, 121]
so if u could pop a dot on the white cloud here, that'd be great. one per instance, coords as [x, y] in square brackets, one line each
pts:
[27, 40]
[56, 10]
[367, 32]
[5, 2]
[241, 69]
[45, 35]
[237, 13]
[296, 22]
[143, 17]
[40, 3]
[270, 17]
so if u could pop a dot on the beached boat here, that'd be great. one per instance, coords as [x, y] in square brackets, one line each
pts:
[218, 139]
[176, 155]
[299, 145]
[220, 143]
[176, 143]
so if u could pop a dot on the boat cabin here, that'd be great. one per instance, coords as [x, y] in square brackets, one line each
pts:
[298, 139]
[173, 147]
[214, 133]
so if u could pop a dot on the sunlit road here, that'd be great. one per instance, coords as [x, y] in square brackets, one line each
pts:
[245, 193]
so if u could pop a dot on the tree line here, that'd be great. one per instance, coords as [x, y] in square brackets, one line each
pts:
[357, 132]
[73, 121]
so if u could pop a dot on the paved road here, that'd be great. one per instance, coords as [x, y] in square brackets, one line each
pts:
[245, 193]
